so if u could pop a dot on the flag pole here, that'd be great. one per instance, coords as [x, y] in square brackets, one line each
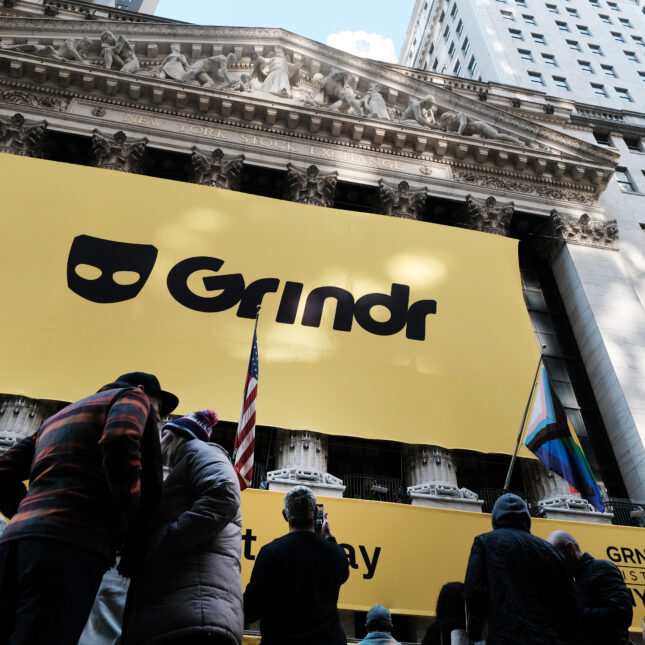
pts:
[526, 411]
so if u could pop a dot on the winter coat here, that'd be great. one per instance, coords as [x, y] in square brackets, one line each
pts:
[379, 638]
[604, 602]
[191, 586]
[517, 583]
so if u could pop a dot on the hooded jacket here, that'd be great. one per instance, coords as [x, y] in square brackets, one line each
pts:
[517, 583]
[190, 585]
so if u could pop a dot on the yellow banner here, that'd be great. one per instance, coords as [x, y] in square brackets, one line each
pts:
[371, 326]
[402, 555]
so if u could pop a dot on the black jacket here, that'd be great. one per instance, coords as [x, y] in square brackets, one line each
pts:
[517, 583]
[604, 602]
[294, 590]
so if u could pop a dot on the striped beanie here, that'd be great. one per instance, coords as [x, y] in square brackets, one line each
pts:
[196, 425]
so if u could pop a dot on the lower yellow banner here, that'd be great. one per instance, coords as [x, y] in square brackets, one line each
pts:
[402, 555]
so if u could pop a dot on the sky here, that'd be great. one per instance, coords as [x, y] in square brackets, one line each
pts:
[315, 20]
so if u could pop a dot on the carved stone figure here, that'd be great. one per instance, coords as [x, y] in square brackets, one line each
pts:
[20, 138]
[488, 215]
[118, 53]
[420, 112]
[375, 103]
[334, 93]
[216, 170]
[459, 123]
[274, 73]
[310, 186]
[174, 65]
[401, 200]
[207, 70]
[116, 153]
[584, 229]
[51, 10]
[243, 84]
[70, 49]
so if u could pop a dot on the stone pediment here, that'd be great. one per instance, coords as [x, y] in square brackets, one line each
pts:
[275, 79]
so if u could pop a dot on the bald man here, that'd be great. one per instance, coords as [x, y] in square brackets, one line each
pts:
[604, 602]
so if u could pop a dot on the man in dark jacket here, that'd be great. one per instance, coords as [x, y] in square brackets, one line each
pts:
[296, 579]
[91, 467]
[517, 583]
[604, 602]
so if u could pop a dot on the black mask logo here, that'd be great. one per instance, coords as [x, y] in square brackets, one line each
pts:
[109, 258]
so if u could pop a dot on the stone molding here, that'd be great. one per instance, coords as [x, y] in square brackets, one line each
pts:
[116, 152]
[19, 137]
[400, 200]
[310, 186]
[584, 230]
[488, 215]
[216, 169]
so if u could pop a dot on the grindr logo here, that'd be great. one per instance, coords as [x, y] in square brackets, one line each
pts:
[111, 258]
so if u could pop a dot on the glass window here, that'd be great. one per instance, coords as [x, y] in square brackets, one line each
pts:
[562, 26]
[451, 50]
[460, 29]
[626, 23]
[552, 8]
[520, 3]
[457, 68]
[529, 20]
[605, 18]
[549, 59]
[632, 56]
[624, 180]
[472, 67]
[618, 37]
[595, 49]
[453, 11]
[561, 82]
[573, 44]
[609, 71]
[613, 6]
[516, 34]
[633, 143]
[585, 66]
[539, 39]
[639, 40]
[642, 75]
[602, 138]
[525, 54]
[594, 3]
[536, 78]
[446, 33]
[507, 15]
[584, 30]
[599, 90]
[573, 12]
[465, 46]
[624, 94]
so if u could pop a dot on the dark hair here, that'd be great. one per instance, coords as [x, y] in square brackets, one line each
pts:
[450, 602]
[379, 625]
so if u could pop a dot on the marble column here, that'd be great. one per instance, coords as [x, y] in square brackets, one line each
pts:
[310, 186]
[433, 475]
[401, 200]
[301, 459]
[21, 417]
[554, 497]
[18, 137]
[216, 169]
[117, 152]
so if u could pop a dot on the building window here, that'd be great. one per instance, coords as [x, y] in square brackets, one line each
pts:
[561, 82]
[446, 33]
[605, 18]
[624, 180]
[507, 15]
[573, 12]
[618, 37]
[516, 34]
[460, 29]
[472, 67]
[595, 49]
[585, 66]
[520, 3]
[584, 30]
[609, 71]
[453, 11]
[602, 138]
[525, 54]
[624, 94]
[539, 39]
[451, 50]
[552, 8]
[501, 1]
[457, 68]
[573, 44]
[594, 3]
[529, 20]
[626, 23]
[549, 59]
[465, 46]
[599, 90]
[632, 56]
[613, 6]
[435, 64]
[562, 26]
[633, 143]
[536, 78]
[639, 40]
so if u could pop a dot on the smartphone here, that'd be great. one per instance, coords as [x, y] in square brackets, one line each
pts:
[320, 518]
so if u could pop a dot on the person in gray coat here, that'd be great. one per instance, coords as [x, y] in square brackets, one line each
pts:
[189, 590]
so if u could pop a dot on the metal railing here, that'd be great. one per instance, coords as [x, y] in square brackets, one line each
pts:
[491, 495]
[627, 512]
[375, 487]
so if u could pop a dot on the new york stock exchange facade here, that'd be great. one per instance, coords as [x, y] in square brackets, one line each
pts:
[415, 240]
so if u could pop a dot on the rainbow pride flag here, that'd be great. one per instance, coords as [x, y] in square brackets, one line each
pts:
[550, 435]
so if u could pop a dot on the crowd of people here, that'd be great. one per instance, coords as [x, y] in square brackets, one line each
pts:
[101, 549]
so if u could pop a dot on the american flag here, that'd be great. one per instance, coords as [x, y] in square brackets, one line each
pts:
[244, 446]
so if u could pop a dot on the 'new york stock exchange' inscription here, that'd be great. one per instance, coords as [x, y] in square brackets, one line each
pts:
[263, 141]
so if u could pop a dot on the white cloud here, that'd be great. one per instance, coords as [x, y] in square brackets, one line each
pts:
[363, 44]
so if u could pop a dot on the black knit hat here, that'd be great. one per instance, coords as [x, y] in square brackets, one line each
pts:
[152, 386]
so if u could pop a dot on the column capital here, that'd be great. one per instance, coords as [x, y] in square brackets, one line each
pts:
[18, 137]
[488, 215]
[117, 152]
[310, 186]
[584, 230]
[216, 169]
[400, 200]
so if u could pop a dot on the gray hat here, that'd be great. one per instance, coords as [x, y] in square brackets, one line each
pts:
[379, 614]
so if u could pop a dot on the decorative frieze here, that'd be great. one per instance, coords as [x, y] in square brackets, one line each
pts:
[116, 152]
[17, 137]
[310, 186]
[401, 200]
[216, 169]
[584, 230]
[488, 215]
